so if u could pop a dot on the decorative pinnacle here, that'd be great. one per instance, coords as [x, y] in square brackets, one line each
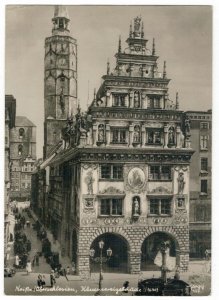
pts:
[94, 94]
[120, 47]
[153, 47]
[130, 30]
[177, 100]
[142, 29]
[108, 67]
[164, 70]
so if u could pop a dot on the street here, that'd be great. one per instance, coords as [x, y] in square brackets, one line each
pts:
[198, 277]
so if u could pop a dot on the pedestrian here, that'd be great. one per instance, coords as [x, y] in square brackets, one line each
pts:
[17, 261]
[40, 281]
[33, 261]
[65, 273]
[68, 270]
[52, 278]
[37, 259]
[125, 286]
[73, 268]
[28, 267]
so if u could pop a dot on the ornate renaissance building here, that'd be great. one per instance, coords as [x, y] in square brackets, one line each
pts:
[121, 174]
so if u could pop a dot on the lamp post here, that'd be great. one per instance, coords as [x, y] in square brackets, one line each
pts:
[163, 248]
[100, 259]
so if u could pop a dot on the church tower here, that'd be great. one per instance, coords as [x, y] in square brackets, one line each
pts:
[60, 78]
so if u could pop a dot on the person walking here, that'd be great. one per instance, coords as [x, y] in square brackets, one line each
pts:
[40, 281]
[52, 278]
[28, 267]
[37, 259]
[33, 261]
[17, 261]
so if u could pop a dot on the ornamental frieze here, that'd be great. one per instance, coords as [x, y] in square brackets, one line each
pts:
[137, 84]
[111, 191]
[180, 217]
[89, 166]
[160, 190]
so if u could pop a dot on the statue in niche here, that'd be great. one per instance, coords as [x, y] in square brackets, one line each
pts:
[181, 203]
[187, 125]
[136, 136]
[136, 100]
[171, 137]
[101, 133]
[136, 206]
[181, 183]
[89, 181]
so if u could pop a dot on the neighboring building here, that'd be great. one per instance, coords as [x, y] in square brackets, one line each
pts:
[23, 158]
[10, 113]
[60, 77]
[121, 174]
[200, 182]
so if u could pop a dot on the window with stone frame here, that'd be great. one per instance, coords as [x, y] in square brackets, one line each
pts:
[20, 149]
[157, 172]
[154, 102]
[108, 171]
[119, 100]
[203, 213]
[160, 206]
[204, 164]
[204, 125]
[203, 142]
[119, 135]
[153, 136]
[21, 133]
[111, 207]
[204, 186]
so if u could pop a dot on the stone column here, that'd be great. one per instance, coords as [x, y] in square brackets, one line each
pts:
[94, 135]
[184, 261]
[143, 136]
[134, 262]
[143, 70]
[131, 129]
[107, 134]
[178, 137]
[131, 98]
[144, 100]
[131, 68]
[165, 136]
[83, 265]
[108, 98]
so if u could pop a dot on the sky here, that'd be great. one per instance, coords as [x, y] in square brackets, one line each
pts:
[183, 37]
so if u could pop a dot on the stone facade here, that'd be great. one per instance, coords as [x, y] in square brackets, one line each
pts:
[200, 183]
[23, 158]
[123, 167]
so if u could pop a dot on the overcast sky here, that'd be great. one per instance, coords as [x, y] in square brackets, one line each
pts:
[183, 36]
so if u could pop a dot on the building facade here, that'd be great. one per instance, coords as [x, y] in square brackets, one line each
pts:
[200, 183]
[23, 158]
[60, 78]
[10, 113]
[121, 174]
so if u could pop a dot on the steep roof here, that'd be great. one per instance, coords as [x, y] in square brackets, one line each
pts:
[23, 121]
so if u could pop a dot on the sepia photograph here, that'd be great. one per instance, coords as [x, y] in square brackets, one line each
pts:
[108, 150]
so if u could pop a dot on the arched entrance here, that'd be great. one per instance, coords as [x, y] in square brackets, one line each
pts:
[150, 248]
[118, 262]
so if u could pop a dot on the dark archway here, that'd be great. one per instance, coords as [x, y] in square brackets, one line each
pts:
[150, 248]
[118, 262]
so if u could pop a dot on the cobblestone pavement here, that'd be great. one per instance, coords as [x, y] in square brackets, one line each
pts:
[22, 284]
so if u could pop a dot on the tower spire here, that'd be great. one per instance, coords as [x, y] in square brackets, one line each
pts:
[60, 20]
[119, 47]
[153, 47]
[164, 70]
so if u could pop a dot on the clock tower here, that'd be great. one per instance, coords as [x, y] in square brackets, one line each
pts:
[60, 78]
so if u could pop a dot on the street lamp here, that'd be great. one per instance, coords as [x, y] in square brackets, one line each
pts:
[101, 259]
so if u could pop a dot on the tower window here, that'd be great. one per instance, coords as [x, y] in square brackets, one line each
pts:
[61, 23]
[21, 133]
[20, 149]
[204, 164]
[204, 186]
